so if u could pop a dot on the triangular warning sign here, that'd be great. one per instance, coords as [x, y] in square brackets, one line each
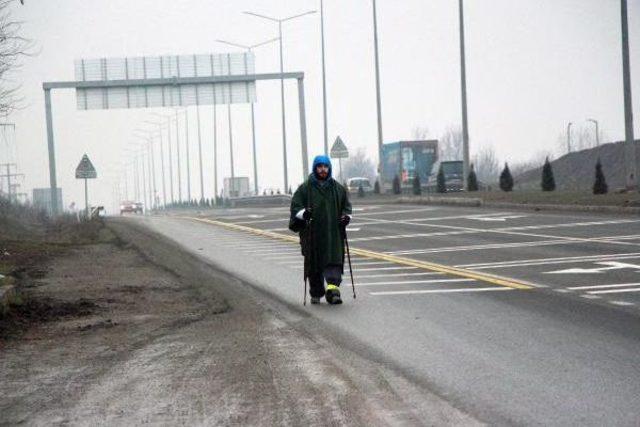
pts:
[339, 149]
[85, 169]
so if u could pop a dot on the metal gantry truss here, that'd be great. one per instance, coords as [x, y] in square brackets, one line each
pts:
[177, 81]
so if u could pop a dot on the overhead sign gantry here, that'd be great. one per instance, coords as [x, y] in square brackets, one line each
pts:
[164, 81]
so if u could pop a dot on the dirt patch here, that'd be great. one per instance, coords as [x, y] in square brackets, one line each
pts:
[32, 311]
[158, 337]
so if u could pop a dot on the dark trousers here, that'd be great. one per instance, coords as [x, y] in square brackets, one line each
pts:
[331, 273]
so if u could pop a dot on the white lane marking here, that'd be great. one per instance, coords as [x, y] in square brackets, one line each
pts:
[353, 229]
[516, 231]
[259, 245]
[266, 251]
[415, 282]
[564, 291]
[402, 211]
[439, 291]
[410, 236]
[622, 303]
[372, 276]
[260, 221]
[387, 268]
[449, 217]
[619, 285]
[499, 218]
[589, 296]
[481, 247]
[294, 263]
[556, 260]
[614, 291]
[611, 265]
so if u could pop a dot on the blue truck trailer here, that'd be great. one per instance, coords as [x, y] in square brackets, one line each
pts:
[406, 159]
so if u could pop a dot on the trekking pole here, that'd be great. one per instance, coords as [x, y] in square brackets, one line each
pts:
[304, 299]
[346, 241]
[307, 259]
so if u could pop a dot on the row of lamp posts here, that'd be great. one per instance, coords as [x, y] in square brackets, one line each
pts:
[627, 102]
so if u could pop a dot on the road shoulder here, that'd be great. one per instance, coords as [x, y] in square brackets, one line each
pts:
[166, 338]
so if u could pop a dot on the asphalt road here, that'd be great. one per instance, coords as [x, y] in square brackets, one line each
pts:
[551, 336]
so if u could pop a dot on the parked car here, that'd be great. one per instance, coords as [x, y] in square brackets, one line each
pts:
[453, 176]
[131, 207]
[353, 185]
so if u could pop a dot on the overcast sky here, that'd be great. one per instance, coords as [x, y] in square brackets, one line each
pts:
[533, 66]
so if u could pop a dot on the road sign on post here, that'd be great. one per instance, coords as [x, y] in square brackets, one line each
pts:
[85, 170]
[339, 151]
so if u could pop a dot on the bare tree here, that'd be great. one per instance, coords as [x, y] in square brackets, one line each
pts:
[13, 47]
[359, 165]
[450, 144]
[487, 165]
[536, 161]
[420, 133]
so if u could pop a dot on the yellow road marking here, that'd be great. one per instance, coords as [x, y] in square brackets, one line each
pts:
[453, 271]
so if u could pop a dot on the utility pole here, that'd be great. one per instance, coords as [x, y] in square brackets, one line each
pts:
[569, 137]
[170, 159]
[8, 175]
[178, 157]
[324, 82]
[195, 69]
[378, 101]
[253, 123]
[594, 121]
[186, 135]
[284, 129]
[463, 86]
[215, 148]
[628, 106]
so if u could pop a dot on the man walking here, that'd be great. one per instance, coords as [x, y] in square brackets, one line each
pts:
[322, 204]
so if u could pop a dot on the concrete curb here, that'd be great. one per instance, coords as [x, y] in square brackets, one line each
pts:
[477, 202]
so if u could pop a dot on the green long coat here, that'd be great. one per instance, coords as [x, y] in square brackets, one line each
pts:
[328, 203]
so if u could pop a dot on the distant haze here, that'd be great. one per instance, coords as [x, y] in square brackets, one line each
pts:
[533, 66]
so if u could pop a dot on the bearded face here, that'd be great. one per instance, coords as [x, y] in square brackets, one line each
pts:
[322, 172]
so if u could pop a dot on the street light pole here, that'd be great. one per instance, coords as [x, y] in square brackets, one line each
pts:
[569, 137]
[284, 130]
[628, 106]
[178, 157]
[186, 135]
[324, 81]
[463, 86]
[253, 125]
[378, 100]
[152, 167]
[164, 191]
[215, 149]
[594, 121]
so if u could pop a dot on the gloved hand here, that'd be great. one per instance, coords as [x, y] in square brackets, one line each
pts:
[307, 214]
[345, 220]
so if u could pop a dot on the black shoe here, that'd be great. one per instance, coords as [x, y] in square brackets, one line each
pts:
[332, 295]
[315, 300]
